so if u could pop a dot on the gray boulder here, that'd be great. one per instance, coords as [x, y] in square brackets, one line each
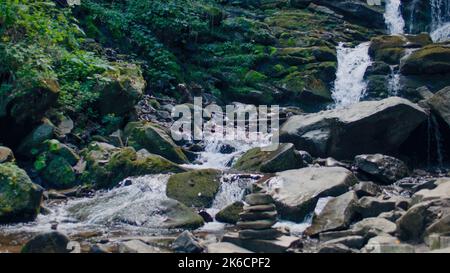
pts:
[439, 104]
[187, 243]
[385, 169]
[53, 242]
[296, 192]
[337, 214]
[363, 128]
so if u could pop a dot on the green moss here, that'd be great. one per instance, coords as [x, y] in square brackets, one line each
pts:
[19, 197]
[59, 174]
[230, 214]
[195, 188]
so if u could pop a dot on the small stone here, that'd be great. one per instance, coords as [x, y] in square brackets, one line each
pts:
[270, 207]
[265, 234]
[187, 243]
[258, 224]
[258, 199]
[366, 189]
[261, 215]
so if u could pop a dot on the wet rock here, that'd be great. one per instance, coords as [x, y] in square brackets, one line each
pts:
[372, 206]
[442, 191]
[282, 158]
[195, 188]
[385, 169]
[439, 104]
[335, 248]
[373, 226]
[187, 243]
[392, 216]
[136, 246]
[366, 189]
[256, 224]
[387, 244]
[20, 197]
[53, 242]
[178, 215]
[230, 214]
[354, 242]
[31, 143]
[363, 128]
[279, 245]
[264, 215]
[296, 192]
[153, 138]
[336, 215]
[261, 234]
[206, 216]
[107, 165]
[6, 155]
[431, 59]
[226, 248]
[423, 219]
[260, 208]
[120, 93]
[256, 199]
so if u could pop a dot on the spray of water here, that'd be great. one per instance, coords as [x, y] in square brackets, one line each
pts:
[350, 85]
[393, 17]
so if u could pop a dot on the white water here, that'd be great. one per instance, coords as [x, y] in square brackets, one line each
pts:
[394, 84]
[393, 17]
[350, 86]
[440, 20]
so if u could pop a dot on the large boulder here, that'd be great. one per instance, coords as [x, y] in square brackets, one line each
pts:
[285, 157]
[439, 104]
[431, 59]
[336, 215]
[296, 192]
[30, 145]
[363, 128]
[356, 11]
[423, 219]
[107, 165]
[121, 89]
[382, 168]
[230, 214]
[195, 188]
[52, 242]
[20, 198]
[149, 136]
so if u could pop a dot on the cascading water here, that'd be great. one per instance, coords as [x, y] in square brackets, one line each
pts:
[440, 20]
[393, 17]
[350, 85]
[411, 16]
[394, 84]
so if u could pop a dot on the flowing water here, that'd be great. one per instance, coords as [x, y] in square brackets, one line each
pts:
[435, 143]
[350, 85]
[393, 17]
[440, 20]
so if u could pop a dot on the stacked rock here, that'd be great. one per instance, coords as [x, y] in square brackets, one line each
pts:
[258, 217]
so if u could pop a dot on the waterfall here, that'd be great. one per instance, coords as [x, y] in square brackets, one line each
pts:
[393, 17]
[350, 86]
[411, 16]
[440, 20]
[394, 84]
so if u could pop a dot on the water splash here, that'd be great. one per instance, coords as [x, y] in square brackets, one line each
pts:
[394, 84]
[350, 85]
[441, 34]
[440, 13]
[393, 17]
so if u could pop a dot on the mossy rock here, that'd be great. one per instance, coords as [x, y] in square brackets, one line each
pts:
[432, 59]
[120, 89]
[145, 135]
[31, 144]
[59, 174]
[272, 159]
[230, 214]
[108, 165]
[20, 198]
[179, 216]
[57, 148]
[194, 188]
